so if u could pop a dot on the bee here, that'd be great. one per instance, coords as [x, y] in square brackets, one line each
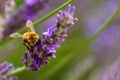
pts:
[30, 38]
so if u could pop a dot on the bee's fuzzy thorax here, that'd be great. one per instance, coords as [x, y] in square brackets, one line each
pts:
[30, 39]
[31, 36]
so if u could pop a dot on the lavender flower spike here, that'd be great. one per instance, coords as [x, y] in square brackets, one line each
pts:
[50, 41]
[4, 69]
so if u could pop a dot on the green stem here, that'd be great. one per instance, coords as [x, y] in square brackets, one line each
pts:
[21, 69]
[36, 24]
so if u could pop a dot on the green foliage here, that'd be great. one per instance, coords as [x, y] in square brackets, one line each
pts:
[19, 2]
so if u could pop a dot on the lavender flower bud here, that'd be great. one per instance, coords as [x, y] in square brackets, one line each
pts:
[65, 18]
[6, 68]
[50, 41]
[31, 2]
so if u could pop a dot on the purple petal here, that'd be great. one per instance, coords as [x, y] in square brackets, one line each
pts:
[37, 61]
[30, 2]
[50, 31]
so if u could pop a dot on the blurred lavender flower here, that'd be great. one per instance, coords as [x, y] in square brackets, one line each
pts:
[112, 72]
[10, 6]
[2, 2]
[31, 2]
[50, 41]
[6, 8]
[6, 68]
[18, 20]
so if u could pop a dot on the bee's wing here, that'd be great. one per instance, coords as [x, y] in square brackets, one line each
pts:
[16, 35]
[30, 26]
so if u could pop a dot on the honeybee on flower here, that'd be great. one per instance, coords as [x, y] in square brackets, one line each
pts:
[40, 50]
[30, 38]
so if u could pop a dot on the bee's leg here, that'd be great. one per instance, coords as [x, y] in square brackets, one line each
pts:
[31, 46]
[38, 42]
[26, 45]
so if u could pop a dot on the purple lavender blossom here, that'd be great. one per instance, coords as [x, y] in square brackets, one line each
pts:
[4, 69]
[31, 2]
[50, 41]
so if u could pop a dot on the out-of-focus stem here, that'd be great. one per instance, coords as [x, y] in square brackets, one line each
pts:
[108, 21]
[17, 71]
[103, 27]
